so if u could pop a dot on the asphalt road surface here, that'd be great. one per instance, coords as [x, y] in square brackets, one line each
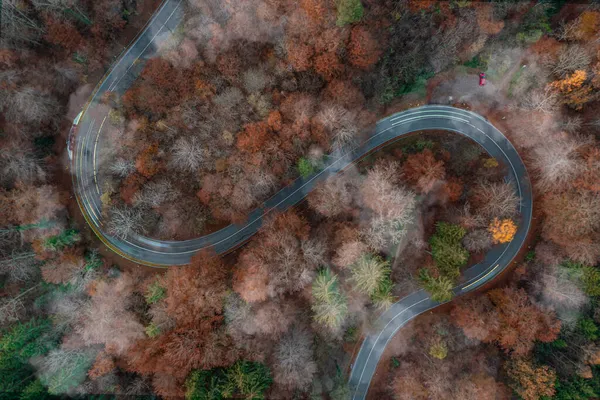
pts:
[159, 253]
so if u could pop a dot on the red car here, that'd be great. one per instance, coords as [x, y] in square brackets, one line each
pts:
[482, 79]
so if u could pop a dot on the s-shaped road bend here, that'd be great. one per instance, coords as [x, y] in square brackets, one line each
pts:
[160, 253]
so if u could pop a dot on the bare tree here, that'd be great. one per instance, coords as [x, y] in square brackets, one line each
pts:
[348, 253]
[289, 270]
[478, 240]
[188, 154]
[572, 58]
[255, 80]
[444, 45]
[160, 317]
[121, 167]
[11, 310]
[571, 216]
[542, 100]
[154, 194]
[294, 363]
[66, 308]
[392, 205]
[31, 106]
[243, 198]
[572, 124]
[20, 165]
[469, 219]
[263, 183]
[108, 319]
[238, 315]
[17, 26]
[124, 221]
[567, 30]
[62, 371]
[496, 200]
[228, 99]
[556, 289]
[340, 123]
[557, 162]
[138, 387]
[584, 250]
[267, 318]
[332, 197]
[314, 251]
[19, 266]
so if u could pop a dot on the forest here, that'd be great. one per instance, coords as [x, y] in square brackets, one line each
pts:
[243, 98]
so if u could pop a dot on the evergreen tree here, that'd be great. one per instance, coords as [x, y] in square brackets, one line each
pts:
[447, 250]
[440, 288]
[18, 344]
[329, 307]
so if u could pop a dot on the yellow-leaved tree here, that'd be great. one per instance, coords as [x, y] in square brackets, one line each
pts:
[502, 230]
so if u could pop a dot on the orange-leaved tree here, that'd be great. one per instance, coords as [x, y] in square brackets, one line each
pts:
[506, 316]
[502, 230]
[574, 89]
[529, 381]
[253, 137]
[363, 48]
[423, 170]
[328, 65]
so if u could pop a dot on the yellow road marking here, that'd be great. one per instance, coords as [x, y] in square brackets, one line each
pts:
[483, 277]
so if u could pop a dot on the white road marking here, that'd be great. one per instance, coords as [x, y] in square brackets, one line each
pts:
[148, 45]
[94, 161]
[381, 333]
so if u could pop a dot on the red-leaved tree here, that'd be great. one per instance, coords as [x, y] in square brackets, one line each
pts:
[363, 48]
[506, 316]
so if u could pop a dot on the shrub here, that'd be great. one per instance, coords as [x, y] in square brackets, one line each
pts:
[306, 168]
[479, 62]
[438, 350]
[155, 293]
[490, 162]
[152, 330]
[529, 37]
[64, 239]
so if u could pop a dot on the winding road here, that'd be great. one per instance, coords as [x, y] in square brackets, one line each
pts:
[160, 253]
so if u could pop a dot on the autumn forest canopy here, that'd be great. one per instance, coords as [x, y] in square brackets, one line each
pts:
[243, 98]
